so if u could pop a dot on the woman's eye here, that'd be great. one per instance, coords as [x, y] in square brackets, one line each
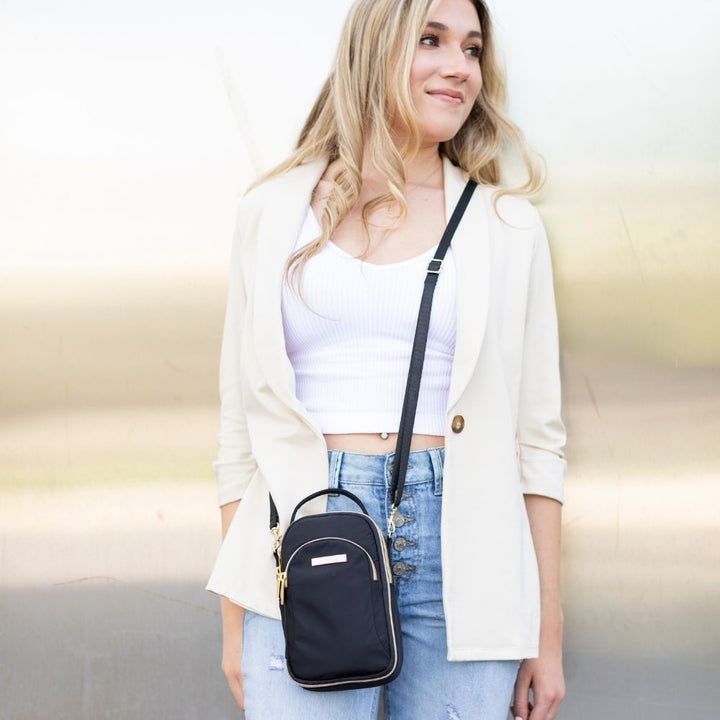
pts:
[434, 40]
[429, 40]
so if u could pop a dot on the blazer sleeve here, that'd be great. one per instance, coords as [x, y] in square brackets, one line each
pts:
[235, 464]
[541, 432]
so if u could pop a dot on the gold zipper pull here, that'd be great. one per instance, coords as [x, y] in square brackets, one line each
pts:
[283, 584]
[278, 578]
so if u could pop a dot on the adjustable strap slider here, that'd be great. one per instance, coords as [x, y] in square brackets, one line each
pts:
[435, 266]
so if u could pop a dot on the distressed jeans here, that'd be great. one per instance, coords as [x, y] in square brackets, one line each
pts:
[428, 687]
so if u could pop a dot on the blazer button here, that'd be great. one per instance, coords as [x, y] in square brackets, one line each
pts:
[458, 423]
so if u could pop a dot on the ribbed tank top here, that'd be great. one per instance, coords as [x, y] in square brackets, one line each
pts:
[350, 344]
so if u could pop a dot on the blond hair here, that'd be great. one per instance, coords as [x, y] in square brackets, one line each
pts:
[369, 80]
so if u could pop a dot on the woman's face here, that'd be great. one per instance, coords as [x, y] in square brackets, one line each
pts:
[445, 77]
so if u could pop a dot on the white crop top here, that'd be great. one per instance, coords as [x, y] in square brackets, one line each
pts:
[351, 355]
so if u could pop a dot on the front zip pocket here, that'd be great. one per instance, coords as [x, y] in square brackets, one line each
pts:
[315, 564]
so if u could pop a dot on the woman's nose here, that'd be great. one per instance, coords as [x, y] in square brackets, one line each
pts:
[455, 64]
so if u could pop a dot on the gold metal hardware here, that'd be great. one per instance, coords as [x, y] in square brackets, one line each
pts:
[277, 539]
[278, 578]
[391, 521]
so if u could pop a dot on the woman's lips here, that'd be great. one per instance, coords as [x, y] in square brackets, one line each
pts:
[449, 99]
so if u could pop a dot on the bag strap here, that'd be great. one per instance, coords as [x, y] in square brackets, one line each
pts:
[417, 358]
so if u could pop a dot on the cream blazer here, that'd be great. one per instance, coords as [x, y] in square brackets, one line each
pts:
[505, 436]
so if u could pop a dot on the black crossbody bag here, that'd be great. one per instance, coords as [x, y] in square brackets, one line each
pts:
[334, 583]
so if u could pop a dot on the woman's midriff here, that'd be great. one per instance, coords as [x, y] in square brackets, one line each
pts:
[374, 444]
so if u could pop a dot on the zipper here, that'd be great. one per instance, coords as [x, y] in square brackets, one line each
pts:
[282, 577]
[386, 557]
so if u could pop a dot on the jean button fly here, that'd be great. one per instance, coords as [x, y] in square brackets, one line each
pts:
[400, 544]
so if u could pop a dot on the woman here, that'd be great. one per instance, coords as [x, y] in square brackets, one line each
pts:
[315, 354]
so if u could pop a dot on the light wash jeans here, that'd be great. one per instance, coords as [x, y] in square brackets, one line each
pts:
[429, 687]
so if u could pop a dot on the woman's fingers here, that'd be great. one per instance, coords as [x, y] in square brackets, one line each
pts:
[235, 683]
[521, 706]
[543, 677]
[545, 709]
[233, 674]
[232, 625]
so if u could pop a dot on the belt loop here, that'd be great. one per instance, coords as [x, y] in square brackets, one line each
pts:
[436, 458]
[334, 473]
[389, 461]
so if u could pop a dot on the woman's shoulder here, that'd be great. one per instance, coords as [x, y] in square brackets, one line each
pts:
[511, 209]
[260, 194]
[298, 179]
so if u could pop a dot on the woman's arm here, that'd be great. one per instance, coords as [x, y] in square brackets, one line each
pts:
[232, 626]
[544, 674]
[235, 463]
[541, 441]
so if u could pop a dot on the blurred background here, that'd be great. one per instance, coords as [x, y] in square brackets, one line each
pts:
[127, 132]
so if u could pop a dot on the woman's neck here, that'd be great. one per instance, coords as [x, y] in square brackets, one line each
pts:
[424, 170]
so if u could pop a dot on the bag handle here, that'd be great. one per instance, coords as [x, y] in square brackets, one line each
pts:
[328, 491]
[412, 388]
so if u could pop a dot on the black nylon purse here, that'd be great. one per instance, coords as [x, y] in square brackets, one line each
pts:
[334, 583]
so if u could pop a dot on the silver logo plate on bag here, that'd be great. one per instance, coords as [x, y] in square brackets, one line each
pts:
[329, 559]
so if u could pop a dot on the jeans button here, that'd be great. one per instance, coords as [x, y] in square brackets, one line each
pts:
[399, 520]
[400, 544]
[399, 568]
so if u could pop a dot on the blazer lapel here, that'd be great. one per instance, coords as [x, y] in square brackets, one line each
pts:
[472, 254]
[277, 231]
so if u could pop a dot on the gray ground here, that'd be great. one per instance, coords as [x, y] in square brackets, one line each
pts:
[101, 649]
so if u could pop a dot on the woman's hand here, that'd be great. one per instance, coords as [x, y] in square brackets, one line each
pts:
[232, 630]
[544, 675]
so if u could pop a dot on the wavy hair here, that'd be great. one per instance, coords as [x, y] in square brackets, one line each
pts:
[352, 115]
